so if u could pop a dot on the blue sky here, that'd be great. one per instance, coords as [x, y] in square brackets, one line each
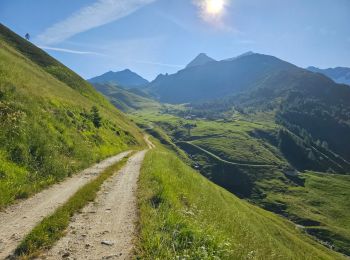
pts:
[162, 36]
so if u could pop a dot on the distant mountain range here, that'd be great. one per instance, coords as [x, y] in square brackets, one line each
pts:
[304, 101]
[125, 78]
[247, 72]
[308, 103]
[338, 74]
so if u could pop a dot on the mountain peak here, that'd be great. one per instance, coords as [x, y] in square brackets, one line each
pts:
[125, 78]
[201, 59]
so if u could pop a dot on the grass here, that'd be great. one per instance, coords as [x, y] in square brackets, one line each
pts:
[46, 130]
[52, 228]
[185, 216]
[316, 198]
[232, 140]
[126, 100]
[322, 206]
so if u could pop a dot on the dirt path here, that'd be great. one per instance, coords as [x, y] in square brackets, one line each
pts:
[106, 227]
[149, 143]
[225, 161]
[18, 220]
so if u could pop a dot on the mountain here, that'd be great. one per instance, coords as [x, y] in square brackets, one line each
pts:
[338, 74]
[52, 122]
[309, 104]
[127, 100]
[245, 73]
[200, 60]
[125, 78]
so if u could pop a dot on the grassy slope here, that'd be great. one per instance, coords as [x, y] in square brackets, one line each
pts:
[322, 206]
[46, 131]
[323, 199]
[184, 215]
[126, 100]
[232, 141]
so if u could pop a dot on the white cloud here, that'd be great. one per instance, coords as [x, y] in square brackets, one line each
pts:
[100, 13]
[69, 50]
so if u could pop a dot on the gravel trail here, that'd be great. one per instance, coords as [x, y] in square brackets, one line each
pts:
[19, 219]
[105, 228]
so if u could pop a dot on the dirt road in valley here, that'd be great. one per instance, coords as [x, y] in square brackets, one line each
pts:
[149, 143]
[105, 228]
[18, 220]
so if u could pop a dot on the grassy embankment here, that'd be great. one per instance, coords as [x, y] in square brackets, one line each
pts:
[52, 228]
[48, 130]
[184, 215]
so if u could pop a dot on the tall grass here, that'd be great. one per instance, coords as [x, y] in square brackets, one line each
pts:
[46, 131]
[184, 216]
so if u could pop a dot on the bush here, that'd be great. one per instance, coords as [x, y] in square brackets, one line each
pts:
[95, 117]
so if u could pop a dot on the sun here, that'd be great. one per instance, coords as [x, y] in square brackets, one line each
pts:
[214, 7]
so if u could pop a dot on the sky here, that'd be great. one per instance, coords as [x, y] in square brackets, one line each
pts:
[162, 36]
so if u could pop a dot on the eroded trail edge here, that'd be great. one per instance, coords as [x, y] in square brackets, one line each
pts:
[19, 219]
[106, 227]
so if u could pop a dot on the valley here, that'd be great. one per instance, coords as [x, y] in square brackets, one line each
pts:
[239, 156]
[242, 158]
[231, 154]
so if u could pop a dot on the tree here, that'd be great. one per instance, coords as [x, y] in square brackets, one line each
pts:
[27, 36]
[95, 117]
[189, 127]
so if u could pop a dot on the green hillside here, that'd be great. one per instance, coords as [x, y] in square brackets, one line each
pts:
[250, 157]
[126, 100]
[321, 205]
[184, 216]
[308, 104]
[52, 122]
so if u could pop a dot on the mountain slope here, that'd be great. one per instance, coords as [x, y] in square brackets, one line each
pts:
[216, 79]
[304, 101]
[127, 100]
[52, 122]
[125, 78]
[256, 159]
[264, 75]
[339, 74]
[183, 215]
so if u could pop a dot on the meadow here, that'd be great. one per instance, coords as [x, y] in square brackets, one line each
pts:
[315, 201]
[185, 216]
[321, 205]
[48, 126]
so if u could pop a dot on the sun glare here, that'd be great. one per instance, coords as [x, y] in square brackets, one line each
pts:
[214, 6]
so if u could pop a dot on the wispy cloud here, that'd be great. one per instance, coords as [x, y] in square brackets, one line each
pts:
[69, 50]
[97, 14]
